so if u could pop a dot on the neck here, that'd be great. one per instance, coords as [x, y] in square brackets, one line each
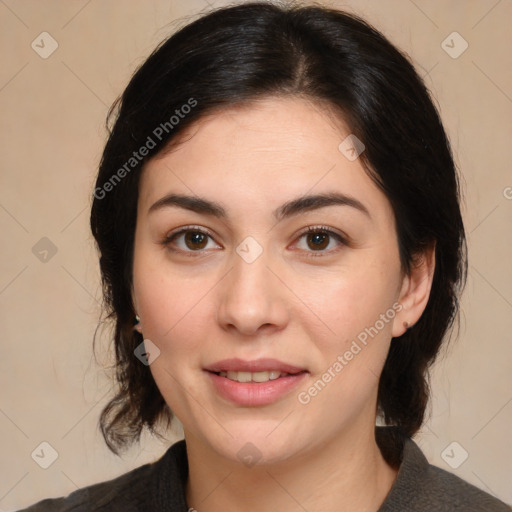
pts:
[344, 474]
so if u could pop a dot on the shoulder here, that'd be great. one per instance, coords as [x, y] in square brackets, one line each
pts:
[124, 491]
[454, 493]
[138, 489]
[422, 487]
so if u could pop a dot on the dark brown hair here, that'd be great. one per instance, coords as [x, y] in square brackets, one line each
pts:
[237, 54]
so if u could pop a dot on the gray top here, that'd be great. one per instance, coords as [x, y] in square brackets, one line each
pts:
[160, 486]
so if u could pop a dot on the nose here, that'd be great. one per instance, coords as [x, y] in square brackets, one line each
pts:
[252, 298]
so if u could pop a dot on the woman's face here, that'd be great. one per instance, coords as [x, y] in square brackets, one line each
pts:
[223, 270]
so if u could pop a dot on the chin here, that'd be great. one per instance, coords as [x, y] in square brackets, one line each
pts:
[258, 445]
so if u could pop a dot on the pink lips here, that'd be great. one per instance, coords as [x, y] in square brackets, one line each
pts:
[254, 393]
[258, 365]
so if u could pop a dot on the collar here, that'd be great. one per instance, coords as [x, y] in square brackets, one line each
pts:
[171, 472]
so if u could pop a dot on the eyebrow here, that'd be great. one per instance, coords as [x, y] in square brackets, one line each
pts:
[288, 209]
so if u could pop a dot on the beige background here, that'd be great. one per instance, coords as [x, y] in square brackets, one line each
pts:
[52, 128]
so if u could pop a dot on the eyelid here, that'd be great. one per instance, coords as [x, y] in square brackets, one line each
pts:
[170, 237]
[314, 228]
[340, 236]
[190, 227]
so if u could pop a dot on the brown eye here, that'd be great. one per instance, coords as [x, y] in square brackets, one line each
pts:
[190, 240]
[317, 241]
[320, 241]
[195, 240]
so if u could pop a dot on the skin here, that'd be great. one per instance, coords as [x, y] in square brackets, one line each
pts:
[295, 303]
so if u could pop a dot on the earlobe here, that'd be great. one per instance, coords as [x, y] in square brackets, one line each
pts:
[415, 291]
[137, 325]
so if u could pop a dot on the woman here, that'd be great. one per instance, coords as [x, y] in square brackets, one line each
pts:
[282, 251]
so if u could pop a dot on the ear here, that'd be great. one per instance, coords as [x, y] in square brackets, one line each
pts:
[137, 326]
[415, 291]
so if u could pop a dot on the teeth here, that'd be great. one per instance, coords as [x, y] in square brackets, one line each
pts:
[253, 376]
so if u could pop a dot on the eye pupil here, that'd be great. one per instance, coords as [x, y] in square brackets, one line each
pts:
[195, 240]
[319, 240]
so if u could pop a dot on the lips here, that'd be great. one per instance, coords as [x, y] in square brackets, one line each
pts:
[254, 383]
[255, 389]
[255, 366]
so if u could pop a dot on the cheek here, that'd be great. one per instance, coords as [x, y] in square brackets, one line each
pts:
[176, 315]
[352, 300]
[173, 315]
[164, 297]
[167, 309]
[354, 348]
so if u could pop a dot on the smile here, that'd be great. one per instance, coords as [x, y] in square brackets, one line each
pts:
[263, 376]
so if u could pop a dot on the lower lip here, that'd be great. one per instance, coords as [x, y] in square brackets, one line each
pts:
[255, 393]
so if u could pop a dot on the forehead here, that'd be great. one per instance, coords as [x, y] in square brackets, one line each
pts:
[260, 154]
[270, 128]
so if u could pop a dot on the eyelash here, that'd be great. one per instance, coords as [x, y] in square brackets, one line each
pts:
[306, 231]
[324, 230]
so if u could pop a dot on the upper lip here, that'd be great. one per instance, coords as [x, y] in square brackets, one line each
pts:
[257, 365]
